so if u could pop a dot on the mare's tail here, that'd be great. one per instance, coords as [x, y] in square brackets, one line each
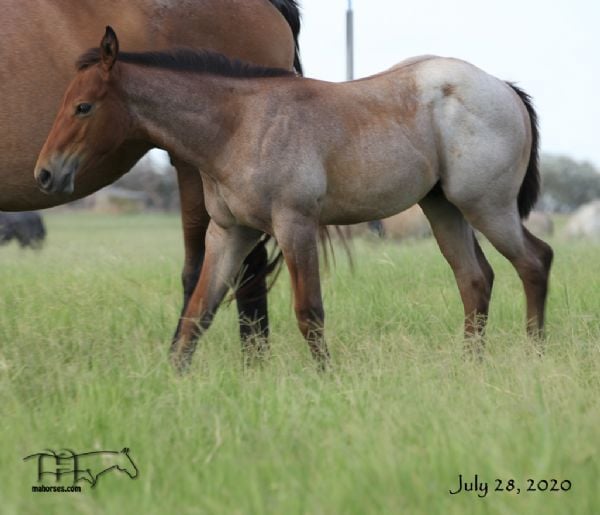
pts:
[291, 12]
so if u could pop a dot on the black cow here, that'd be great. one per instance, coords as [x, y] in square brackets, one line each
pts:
[26, 227]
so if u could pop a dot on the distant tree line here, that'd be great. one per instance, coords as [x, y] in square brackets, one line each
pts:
[567, 184]
[156, 178]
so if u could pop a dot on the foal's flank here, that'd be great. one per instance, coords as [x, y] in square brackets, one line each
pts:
[283, 155]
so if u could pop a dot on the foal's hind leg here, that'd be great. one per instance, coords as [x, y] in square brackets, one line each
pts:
[474, 275]
[531, 257]
[297, 237]
[535, 281]
[225, 251]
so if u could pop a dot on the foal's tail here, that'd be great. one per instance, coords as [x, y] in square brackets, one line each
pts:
[291, 12]
[530, 189]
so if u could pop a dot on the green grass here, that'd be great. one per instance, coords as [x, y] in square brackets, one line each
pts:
[84, 332]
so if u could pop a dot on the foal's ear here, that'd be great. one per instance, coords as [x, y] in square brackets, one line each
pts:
[109, 48]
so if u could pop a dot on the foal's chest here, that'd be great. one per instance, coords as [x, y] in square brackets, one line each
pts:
[235, 204]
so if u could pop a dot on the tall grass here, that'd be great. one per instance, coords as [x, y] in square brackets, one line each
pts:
[84, 332]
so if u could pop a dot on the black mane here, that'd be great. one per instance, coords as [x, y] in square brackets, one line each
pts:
[186, 59]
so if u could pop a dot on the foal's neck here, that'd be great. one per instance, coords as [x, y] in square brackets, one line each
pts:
[191, 115]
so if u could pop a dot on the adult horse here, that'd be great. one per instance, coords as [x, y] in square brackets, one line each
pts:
[283, 155]
[39, 41]
[26, 227]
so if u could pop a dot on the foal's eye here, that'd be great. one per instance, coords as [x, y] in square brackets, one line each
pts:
[83, 109]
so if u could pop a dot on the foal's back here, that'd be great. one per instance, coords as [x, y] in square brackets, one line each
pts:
[383, 142]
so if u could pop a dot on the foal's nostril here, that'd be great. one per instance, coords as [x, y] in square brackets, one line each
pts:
[44, 178]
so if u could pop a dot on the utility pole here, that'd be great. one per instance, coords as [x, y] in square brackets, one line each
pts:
[349, 42]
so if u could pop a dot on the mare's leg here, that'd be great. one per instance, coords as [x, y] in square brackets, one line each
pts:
[194, 220]
[251, 301]
[251, 298]
[225, 252]
[474, 275]
[297, 237]
[530, 256]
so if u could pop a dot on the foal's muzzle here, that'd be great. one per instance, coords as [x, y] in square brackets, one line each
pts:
[56, 176]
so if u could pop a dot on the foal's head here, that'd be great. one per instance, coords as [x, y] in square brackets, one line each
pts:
[91, 122]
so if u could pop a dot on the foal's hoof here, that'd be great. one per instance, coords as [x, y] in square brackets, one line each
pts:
[323, 360]
[180, 357]
[324, 365]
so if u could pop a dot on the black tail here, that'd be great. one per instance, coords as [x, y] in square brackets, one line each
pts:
[291, 12]
[530, 189]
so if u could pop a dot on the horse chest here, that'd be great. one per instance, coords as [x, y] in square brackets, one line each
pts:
[230, 205]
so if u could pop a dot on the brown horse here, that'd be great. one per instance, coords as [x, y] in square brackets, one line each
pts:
[282, 155]
[39, 40]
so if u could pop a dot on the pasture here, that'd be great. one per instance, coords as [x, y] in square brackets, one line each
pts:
[84, 331]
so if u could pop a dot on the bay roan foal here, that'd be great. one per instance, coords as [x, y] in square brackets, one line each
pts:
[282, 155]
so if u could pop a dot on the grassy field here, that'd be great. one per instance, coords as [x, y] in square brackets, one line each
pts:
[84, 332]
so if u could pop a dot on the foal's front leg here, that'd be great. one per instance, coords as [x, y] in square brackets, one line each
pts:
[297, 237]
[226, 249]
[252, 299]
[194, 221]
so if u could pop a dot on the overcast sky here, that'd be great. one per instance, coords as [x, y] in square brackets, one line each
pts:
[551, 49]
